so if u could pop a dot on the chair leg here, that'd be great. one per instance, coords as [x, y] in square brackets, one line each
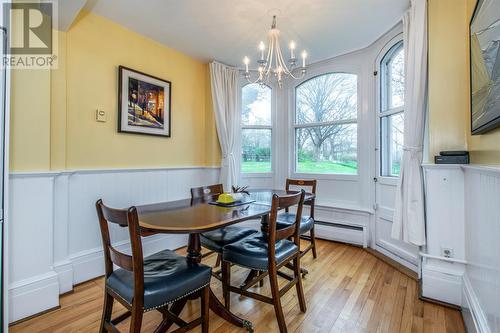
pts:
[205, 313]
[313, 242]
[218, 260]
[136, 319]
[261, 282]
[107, 310]
[226, 282]
[275, 292]
[300, 290]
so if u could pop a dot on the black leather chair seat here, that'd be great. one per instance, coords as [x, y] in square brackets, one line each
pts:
[252, 252]
[287, 219]
[167, 277]
[215, 240]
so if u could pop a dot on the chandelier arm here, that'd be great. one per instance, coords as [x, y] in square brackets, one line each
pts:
[247, 76]
[283, 65]
[270, 55]
[303, 73]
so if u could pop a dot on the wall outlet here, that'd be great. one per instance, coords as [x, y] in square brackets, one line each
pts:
[447, 252]
[100, 115]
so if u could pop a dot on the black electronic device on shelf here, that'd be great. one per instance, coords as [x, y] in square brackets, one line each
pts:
[452, 157]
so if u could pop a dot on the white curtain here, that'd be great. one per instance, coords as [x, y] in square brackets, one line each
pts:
[409, 223]
[224, 81]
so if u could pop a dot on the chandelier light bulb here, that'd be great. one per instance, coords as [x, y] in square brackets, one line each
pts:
[246, 61]
[304, 56]
[292, 49]
[262, 47]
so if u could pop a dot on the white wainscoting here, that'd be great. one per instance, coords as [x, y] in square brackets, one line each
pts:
[54, 238]
[463, 214]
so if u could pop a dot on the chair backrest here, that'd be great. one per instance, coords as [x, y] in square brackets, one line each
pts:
[309, 185]
[206, 193]
[133, 263]
[302, 184]
[279, 203]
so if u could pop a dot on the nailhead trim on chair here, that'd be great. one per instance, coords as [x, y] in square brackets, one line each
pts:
[176, 299]
[166, 303]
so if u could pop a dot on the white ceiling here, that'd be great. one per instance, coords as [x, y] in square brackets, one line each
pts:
[227, 30]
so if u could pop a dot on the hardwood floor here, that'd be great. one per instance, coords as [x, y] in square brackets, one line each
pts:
[347, 290]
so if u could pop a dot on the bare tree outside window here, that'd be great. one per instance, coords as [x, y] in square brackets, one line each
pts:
[392, 110]
[256, 129]
[325, 124]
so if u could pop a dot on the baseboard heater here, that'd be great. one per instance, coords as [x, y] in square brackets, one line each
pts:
[340, 232]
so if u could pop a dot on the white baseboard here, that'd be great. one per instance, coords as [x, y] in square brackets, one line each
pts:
[474, 316]
[64, 270]
[33, 295]
[396, 258]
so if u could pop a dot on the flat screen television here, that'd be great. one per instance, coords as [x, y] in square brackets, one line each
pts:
[485, 66]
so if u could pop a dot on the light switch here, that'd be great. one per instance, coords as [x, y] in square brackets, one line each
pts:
[100, 115]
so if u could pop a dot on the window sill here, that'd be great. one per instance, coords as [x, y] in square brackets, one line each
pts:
[257, 175]
[322, 176]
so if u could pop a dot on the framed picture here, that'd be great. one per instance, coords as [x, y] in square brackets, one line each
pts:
[485, 66]
[144, 103]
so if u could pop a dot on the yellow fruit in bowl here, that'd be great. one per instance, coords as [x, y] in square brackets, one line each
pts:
[225, 198]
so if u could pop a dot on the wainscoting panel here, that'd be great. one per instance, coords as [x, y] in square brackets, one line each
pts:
[54, 235]
[463, 214]
[482, 244]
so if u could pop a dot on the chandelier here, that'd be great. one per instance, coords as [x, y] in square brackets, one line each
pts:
[274, 64]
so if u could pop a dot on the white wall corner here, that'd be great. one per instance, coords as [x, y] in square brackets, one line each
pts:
[474, 316]
[34, 295]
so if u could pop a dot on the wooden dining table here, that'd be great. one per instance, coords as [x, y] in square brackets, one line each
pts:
[196, 217]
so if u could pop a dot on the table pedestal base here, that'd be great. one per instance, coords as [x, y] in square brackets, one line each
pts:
[194, 255]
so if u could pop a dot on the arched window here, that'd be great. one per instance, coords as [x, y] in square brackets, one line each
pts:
[392, 84]
[256, 128]
[326, 110]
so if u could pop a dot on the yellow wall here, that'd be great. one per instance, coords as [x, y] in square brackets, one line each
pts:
[30, 120]
[53, 112]
[449, 97]
[447, 75]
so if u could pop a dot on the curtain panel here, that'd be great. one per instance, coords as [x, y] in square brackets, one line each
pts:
[409, 219]
[224, 84]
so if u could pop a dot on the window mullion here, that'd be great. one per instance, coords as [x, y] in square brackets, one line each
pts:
[391, 112]
[257, 127]
[326, 123]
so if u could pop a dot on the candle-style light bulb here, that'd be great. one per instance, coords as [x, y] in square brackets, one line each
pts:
[304, 56]
[262, 47]
[246, 61]
[292, 49]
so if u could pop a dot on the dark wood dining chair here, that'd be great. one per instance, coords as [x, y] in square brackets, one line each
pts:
[267, 252]
[307, 222]
[215, 240]
[150, 283]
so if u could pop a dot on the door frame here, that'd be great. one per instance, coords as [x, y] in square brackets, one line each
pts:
[402, 256]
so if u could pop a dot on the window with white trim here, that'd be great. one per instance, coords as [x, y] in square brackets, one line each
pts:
[325, 125]
[256, 128]
[391, 115]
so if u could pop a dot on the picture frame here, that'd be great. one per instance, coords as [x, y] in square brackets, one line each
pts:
[484, 31]
[144, 103]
